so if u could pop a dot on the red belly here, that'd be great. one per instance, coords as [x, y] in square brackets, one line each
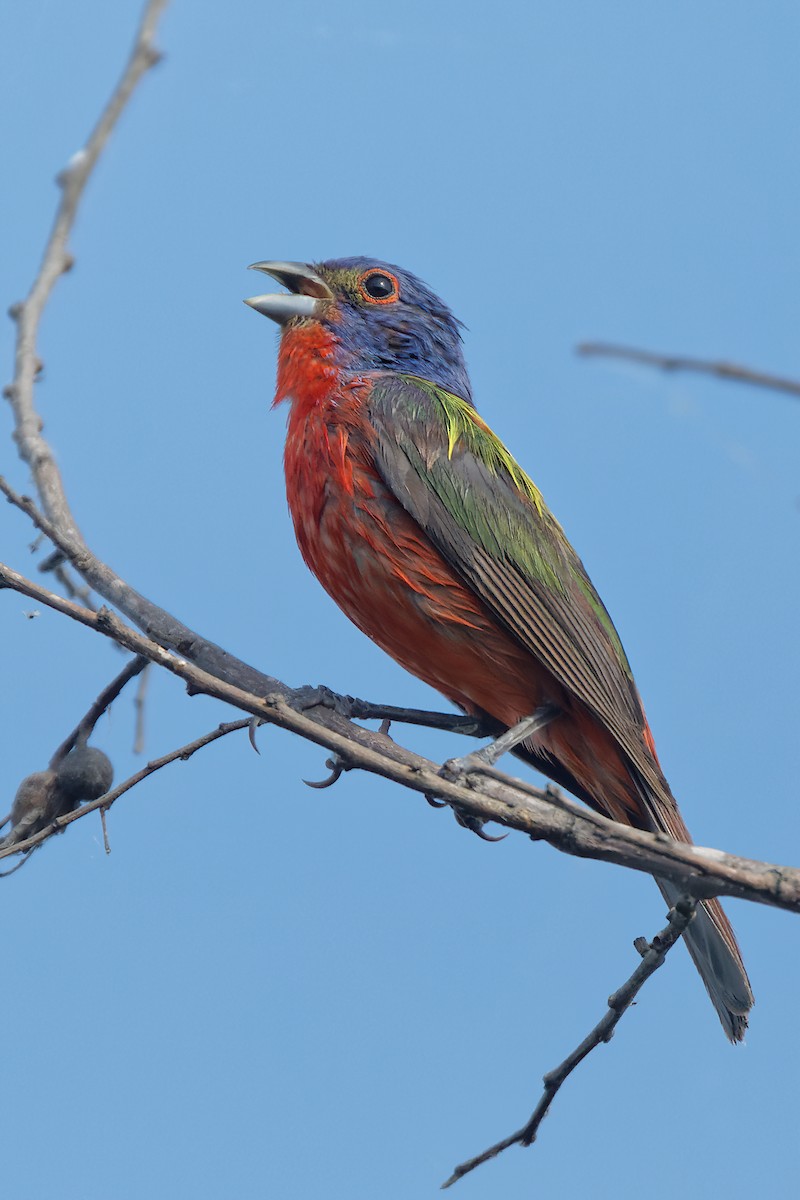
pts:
[384, 573]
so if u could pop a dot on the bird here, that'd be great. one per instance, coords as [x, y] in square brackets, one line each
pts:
[428, 534]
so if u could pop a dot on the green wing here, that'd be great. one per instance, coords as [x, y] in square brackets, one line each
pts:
[488, 520]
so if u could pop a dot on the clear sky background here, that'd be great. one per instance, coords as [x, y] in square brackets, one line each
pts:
[270, 992]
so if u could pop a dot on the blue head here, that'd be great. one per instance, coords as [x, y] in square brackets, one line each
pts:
[384, 318]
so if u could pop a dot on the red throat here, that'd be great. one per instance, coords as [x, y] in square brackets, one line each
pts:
[306, 368]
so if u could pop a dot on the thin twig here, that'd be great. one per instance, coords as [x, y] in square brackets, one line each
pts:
[683, 362]
[109, 693]
[104, 803]
[57, 520]
[33, 449]
[55, 563]
[139, 704]
[158, 625]
[566, 825]
[104, 827]
[17, 866]
[653, 956]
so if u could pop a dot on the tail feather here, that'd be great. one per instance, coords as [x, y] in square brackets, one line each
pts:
[709, 938]
[712, 944]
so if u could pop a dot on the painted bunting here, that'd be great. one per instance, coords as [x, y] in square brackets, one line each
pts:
[424, 529]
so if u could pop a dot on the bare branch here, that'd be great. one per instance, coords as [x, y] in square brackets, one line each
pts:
[32, 447]
[104, 803]
[109, 693]
[653, 956]
[171, 634]
[681, 362]
[138, 704]
[57, 520]
[476, 796]
[487, 794]
[158, 625]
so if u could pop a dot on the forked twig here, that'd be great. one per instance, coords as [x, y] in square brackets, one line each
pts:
[653, 955]
[105, 802]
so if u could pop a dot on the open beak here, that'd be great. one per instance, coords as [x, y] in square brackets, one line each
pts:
[309, 294]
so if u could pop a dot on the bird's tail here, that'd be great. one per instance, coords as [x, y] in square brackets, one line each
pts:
[709, 936]
[712, 945]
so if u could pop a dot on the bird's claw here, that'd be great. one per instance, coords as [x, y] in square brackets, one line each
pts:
[251, 732]
[466, 820]
[337, 767]
[475, 825]
[434, 802]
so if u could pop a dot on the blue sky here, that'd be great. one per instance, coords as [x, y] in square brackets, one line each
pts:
[266, 991]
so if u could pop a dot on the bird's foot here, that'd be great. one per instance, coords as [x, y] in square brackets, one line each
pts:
[456, 768]
[306, 697]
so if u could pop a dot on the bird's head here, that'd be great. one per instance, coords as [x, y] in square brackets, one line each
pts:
[380, 317]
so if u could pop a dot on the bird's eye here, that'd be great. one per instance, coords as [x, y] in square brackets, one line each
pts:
[379, 287]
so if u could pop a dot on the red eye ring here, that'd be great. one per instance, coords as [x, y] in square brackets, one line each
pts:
[380, 279]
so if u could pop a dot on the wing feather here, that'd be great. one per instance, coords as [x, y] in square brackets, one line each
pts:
[486, 518]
